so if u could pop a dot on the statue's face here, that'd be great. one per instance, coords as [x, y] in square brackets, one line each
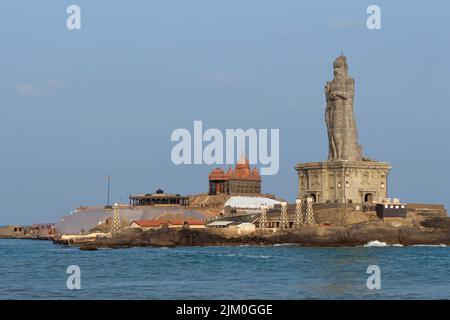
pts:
[339, 70]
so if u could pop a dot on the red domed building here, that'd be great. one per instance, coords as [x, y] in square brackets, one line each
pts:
[241, 180]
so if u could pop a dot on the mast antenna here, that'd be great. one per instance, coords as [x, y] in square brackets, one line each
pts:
[107, 194]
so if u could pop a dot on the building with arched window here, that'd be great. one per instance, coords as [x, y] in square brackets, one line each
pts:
[158, 198]
[241, 180]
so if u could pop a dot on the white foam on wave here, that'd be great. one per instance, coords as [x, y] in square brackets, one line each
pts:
[376, 243]
[430, 245]
[285, 244]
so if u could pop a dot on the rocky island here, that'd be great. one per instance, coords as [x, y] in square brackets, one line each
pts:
[421, 227]
[342, 201]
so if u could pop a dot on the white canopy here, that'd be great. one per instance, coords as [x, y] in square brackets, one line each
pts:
[219, 223]
[250, 202]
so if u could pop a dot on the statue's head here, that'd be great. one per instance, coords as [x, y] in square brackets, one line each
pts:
[340, 66]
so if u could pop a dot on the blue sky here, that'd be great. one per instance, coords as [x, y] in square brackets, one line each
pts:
[78, 105]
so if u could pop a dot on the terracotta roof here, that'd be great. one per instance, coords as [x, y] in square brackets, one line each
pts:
[176, 222]
[190, 222]
[149, 223]
[242, 171]
[217, 174]
[196, 222]
[255, 172]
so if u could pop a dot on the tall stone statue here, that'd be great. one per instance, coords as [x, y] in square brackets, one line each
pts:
[346, 177]
[341, 125]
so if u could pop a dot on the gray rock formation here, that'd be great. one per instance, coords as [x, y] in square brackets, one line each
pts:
[431, 231]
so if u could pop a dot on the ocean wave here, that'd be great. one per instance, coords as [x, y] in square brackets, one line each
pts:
[247, 256]
[285, 244]
[63, 249]
[255, 256]
[430, 245]
[376, 243]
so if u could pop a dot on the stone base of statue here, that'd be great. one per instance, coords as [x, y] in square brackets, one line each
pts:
[341, 181]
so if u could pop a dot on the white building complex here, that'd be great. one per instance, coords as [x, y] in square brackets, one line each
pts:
[242, 202]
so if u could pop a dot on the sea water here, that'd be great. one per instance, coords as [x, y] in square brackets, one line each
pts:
[37, 270]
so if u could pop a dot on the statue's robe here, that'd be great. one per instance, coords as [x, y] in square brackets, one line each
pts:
[340, 120]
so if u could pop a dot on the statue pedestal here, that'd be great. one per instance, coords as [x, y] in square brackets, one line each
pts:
[343, 181]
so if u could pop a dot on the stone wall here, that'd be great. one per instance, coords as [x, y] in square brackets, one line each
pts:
[343, 181]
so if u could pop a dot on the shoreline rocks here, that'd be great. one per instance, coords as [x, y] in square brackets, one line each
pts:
[327, 236]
